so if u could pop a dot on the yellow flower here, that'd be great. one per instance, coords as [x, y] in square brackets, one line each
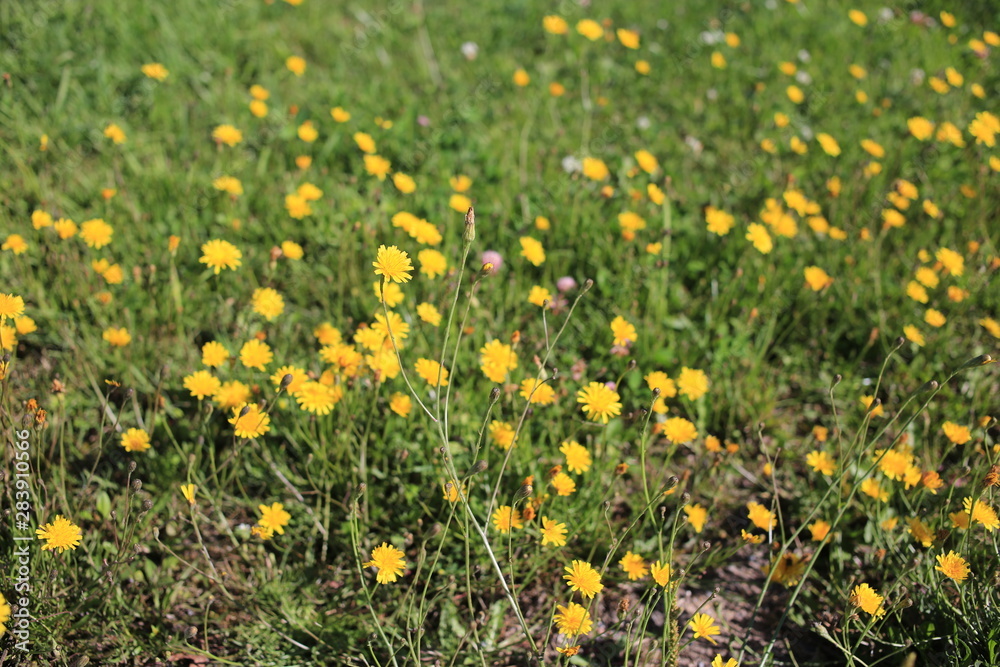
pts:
[377, 166]
[867, 401]
[61, 534]
[258, 108]
[521, 78]
[817, 278]
[339, 115]
[865, 598]
[696, 516]
[581, 576]
[628, 38]
[392, 263]
[555, 25]
[219, 254]
[956, 433]
[460, 203]
[991, 325]
[760, 516]
[291, 250]
[953, 566]
[934, 318]
[274, 518]
[400, 404]
[432, 372]
[573, 620]
[188, 491]
[873, 148]
[537, 393]
[318, 398]
[307, 132]
[692, 383]
[135, 440]
[267, 302]
[429, 313]
[404, 183]
[795, 94]
[227, 134]
[231, 394]
[496, 359]
[553, 533]
[155, 71]
[634, 566]
[703, 625]
[647, 161]
[871, 487]
[757, 234]
[660, 572]
[828, 144]
[16, 244]
[507, 518]
[532, 250]
[595, 169]
[249, 422]
[599, 402]
[96, 233]
[296, 65]
[913, 335]
[119, 337]
[392, 296]
[920, 127]
[365, 142]
[578, 459]
[115, 133]
[389, 561]
[920, 532]
[717, 662]
[821, 462]
[982, 513]
[256, 353]
[564, 484]
[590, 29]
[642, 67]
[718, 222]
[228, 184]
[953, 262]
[623, 331]
[819, 529]
[502, 434]
[718, 60]
[857, 17]
[460, 183]
[679, 430]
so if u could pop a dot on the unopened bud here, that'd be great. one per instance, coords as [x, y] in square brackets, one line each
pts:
[494, 394]
[587, 284]
[469, 235]
[286, 380]
[523, 493]
[362, 487]
[477, 467]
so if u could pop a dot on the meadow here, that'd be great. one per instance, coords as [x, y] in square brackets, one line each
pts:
[523, 333]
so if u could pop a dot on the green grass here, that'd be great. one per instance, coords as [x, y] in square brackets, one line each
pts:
[157, 579]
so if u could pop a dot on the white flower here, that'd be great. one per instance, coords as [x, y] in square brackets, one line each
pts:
[571, 165]
[804, 56]
[803, 77]
[470, 50]
[643, 122]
